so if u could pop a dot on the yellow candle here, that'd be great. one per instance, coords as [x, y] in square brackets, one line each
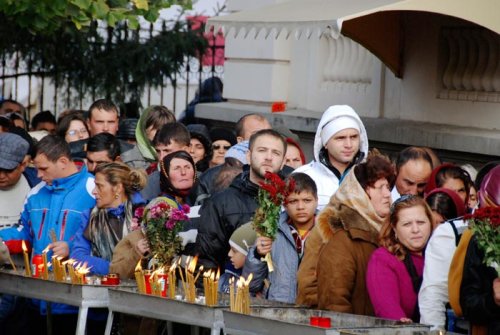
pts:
[45, 264]
[27, 265]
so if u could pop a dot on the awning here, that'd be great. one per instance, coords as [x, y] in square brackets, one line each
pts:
[375, 24]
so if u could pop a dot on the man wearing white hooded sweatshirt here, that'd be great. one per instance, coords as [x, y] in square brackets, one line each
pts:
[341, 141]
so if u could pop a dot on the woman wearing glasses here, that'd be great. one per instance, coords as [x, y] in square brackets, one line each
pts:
[394, 274]
[222, 140]
[348, 227]
[73, 127]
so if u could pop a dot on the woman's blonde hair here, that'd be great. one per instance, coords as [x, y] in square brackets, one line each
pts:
[387, 237]
[133, 180]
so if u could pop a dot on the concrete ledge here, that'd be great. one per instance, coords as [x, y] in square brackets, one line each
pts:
[438, 136]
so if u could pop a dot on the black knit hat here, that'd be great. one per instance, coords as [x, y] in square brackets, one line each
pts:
[222, 134]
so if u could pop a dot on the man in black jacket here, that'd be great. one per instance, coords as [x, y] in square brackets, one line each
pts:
[227, 210]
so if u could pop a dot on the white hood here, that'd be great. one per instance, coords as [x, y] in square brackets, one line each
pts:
[332, 113]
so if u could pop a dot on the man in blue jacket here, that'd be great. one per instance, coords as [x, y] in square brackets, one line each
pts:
[53, 209]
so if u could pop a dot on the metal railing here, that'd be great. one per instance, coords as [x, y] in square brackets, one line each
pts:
[21, 81]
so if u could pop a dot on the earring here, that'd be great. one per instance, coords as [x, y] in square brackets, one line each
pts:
[116, 196]
[396, 236]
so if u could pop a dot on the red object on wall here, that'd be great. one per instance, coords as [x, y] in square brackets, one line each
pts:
[215, 43]
[278, 106]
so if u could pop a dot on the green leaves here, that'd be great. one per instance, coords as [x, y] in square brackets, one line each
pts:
[46, 17]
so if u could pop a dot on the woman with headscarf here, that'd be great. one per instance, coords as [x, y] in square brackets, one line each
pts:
[151, 120]
[177, 176]
[480, 288]
[395, 269]
[445, 205]
[117, 196]
[333, 271]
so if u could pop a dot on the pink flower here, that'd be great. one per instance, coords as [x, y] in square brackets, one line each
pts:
[139, 212]
[134, 225]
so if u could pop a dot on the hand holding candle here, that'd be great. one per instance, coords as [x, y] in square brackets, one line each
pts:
[60, 248]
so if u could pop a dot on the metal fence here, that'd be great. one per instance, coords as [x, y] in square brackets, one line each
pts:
[33, 88]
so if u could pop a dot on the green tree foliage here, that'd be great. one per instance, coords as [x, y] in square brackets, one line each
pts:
[115, 61]
[48, 16]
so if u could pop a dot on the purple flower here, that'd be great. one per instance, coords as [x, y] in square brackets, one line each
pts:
[139, 212]
[170, 224]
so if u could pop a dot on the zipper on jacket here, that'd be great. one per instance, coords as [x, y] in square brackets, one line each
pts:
[63, 226]
[41, 224]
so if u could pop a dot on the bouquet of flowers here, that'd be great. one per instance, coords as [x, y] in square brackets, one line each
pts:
[486, 228]
[162, 220]
[272, 194]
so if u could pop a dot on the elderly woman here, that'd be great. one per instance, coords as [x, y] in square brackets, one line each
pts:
[395, 269]
[348, 229]
[116, 193]
[177, 177]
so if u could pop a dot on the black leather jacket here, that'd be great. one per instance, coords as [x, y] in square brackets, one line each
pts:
[220, 215]
[476, 291]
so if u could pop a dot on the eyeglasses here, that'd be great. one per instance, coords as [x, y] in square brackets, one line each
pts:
[218, 146]
[74, 132]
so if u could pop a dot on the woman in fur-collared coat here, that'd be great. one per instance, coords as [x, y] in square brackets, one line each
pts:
[332, 274]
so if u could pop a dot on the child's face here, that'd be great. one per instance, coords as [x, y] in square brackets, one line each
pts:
[301, 207]
[237, 258]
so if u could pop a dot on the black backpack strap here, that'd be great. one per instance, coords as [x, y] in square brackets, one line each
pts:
[455, 231]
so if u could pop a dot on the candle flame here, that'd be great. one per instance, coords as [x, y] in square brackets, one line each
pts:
[23, 244]
[218, 274]
[172, 267]
[192, 264]
[138, 267]
[249, 279]
[44, 251]
[83, 270]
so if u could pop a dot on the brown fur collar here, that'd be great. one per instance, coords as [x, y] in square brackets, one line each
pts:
[331, 220]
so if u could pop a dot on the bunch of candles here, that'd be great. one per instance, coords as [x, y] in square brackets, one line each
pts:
[189, 279]
[77, 272]
[211, 284]
[59, 269]
[239, 301]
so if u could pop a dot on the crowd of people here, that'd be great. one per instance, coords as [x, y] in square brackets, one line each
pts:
[359, 233]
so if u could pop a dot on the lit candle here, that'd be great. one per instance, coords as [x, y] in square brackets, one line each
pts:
[45, 273]
[27, 265]
[139, 278]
